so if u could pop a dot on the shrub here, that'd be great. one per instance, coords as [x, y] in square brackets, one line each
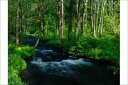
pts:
[103, 49]
[16, 62]
[54, 42]
[11, 48]
[25, 51]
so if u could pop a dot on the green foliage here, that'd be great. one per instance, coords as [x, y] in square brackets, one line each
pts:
[94, 53]
[15, 81]
[115, 69]
[16, 62]
[54, 42]
[11, 48]
[102, 49]
[25, 51]
[47, 38]
[66, 45]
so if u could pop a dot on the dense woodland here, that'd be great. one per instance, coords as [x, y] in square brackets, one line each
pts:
[84, 28]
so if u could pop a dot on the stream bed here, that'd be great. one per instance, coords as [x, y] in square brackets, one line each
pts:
[51, 66]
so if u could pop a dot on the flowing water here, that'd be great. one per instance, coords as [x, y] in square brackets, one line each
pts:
[50, 66]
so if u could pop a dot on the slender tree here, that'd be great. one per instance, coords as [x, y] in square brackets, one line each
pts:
[41, 5]
[26, 17]
[101, 17]
[84, 17]
[60, 18]
[70, 19]
[21, 22]
[94, 19]
[97, 16]
[17, 23]
[91, 6]
[78, 19]
[41, 28]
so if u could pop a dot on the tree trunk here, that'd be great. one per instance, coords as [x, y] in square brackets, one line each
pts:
[27, 15]
[21, 24]
[57, 17]
[91, 3]
[41, 28]
[94, 15]
[17, 23]
[70, 19]
[78, 19]
[41, 16]
[97, 16]
[84, 17]
[113, 15]
[60, 19]
[101, 17]
[37, 42]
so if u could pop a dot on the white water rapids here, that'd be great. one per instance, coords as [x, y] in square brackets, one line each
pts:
[66, 67]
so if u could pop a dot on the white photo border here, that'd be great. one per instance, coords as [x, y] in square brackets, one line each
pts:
[123, 42]
[3, 42]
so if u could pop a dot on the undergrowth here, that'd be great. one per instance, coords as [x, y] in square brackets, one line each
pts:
[16, 62]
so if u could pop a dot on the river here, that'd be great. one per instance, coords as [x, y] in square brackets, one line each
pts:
[51, 66]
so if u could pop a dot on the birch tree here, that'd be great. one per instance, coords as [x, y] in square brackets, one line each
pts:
[60, 15]
[94, 19]
[78, 18]
[41, 28]
[101, 16]
[17, 22]
[84, 17]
